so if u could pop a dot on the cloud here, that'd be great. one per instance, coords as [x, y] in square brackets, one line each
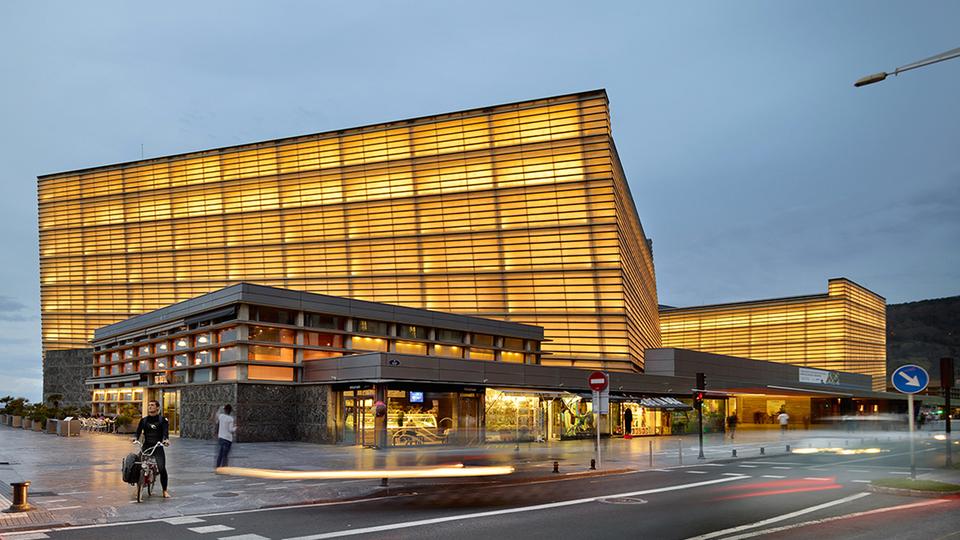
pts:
[14, 310]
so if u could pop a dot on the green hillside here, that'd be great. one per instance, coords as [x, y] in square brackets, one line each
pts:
[923, 332]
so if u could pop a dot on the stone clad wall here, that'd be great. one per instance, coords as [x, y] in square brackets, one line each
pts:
[314, 414]
[266, 412]
[64, 372]
[199, 405]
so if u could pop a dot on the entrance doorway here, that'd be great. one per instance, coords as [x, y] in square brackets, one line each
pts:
[468, 420]
[170, 403]
[358, 418]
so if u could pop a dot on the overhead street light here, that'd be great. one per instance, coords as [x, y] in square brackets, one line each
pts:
[877, 77]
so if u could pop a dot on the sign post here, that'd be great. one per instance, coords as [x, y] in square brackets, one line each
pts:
[598, 382]
[947, 374]
[910, 379]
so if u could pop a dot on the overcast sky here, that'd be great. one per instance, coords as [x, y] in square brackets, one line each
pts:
[757, 168]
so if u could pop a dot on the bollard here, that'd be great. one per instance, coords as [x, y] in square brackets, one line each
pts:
[383, 482]
[680, 450]
[733, 453]
[788, 448]
[593, 464]
[556, 466]
[650, 446]
[20, 503]
[762, 451]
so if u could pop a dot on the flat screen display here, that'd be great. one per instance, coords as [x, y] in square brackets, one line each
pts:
[416, 397]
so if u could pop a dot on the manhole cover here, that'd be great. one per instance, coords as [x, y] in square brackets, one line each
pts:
[621, 500]
[225, 494]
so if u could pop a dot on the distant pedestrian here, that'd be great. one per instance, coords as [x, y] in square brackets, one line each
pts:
[627, 421]
[784, 419]
[226, 427]
[732, 424]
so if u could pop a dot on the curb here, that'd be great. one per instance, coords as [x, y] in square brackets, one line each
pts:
[913, 492]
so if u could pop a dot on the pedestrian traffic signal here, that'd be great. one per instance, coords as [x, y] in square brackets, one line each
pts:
[697, 399]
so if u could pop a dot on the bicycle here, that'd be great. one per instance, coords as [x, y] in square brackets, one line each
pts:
[148, 470]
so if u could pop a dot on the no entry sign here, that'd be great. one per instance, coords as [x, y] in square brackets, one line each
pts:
[598, 381]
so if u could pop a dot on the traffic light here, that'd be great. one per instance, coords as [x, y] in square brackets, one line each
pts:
[697, 399]
[701, 381]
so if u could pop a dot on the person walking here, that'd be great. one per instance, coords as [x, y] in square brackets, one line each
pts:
[226, 427]
[627, 422]
[732, 423]
[784, 419]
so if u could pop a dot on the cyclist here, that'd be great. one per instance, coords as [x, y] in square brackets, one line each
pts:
[154, 429]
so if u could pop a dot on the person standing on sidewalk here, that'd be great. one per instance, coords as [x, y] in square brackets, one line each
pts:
[628, 422]
[226, 427]
[732, 423]
[784, 419]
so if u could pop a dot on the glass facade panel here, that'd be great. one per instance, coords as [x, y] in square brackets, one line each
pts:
[273, 335]
[452, 336]
[227, 334]
[410, 347]
[449, 351]
[371, 327]
[512, 357]
[227, 373]
[319, 355]
[481, 339]
[481, 354]
[182, 343]
[317, 320]
[411, 332]
[269, 373]
[270, 354]
[316, 339]
[228, 354]
[272, 315]
[361, 343]
[202, 357]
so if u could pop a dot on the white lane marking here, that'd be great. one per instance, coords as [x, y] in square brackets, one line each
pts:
[696, 472]
[185, 520]
[731, 474]
[244, 537]
[48, 501]
[274, 488]
[27, 536]
[711, 465]
[820, 478]
[421, 522]
[775, 519]
[210, 528]
[782, 468]
[256, 484]
[74, 493]
[836, 518]
[748, 466]
[899, 472]
[63, 508]
[859, 472]
[861, 481]
[772, 476]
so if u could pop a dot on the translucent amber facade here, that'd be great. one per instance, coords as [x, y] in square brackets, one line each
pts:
[519, 212]
[843, 330]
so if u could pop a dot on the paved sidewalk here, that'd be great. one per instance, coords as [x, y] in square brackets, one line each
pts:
[77, 480]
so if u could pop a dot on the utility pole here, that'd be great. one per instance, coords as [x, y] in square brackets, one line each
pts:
[698, 394]
[947, 376]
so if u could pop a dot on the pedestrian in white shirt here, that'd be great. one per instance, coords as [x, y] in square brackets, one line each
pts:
[226, 427]
[784, 420]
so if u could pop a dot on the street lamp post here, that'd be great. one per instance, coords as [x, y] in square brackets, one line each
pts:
[877, 77]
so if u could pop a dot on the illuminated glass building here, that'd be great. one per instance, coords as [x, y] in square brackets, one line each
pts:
[842, 330]
[517, 212]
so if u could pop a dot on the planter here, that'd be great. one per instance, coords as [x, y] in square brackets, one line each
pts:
[3, 419]
[37, 425]
[17, 421]
[26, 423]
[52, 426]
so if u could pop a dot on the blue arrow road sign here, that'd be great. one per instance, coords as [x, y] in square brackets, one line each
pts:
[910, 379]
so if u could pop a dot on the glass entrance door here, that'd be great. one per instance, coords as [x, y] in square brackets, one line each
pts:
[358, 417]
[468, 420]
[171, 409]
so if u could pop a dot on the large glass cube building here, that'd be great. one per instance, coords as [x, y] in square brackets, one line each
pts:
[518, 212]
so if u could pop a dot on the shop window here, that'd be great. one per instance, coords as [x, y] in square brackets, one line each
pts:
[227, 373]
[316, 320]
[452, 336]
[532, 345]
[126, 395]
[160, 378]
[272, 315]
[273, 335]
[269, 373]
[316, 339]
[181, 343]
[228, 354]
[513, 343]
[361, 343]
[481, 354]
[449, 351]
[372, 327]
[270, 354]
[410, 347]
[319, 355]
[412, 332]
[512, 357]
[138, 395]
[180, 360]
[227, 334]
[482, 339]
[202, 357]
